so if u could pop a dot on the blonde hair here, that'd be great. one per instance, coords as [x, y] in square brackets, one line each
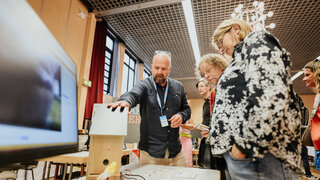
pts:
[215, 60]
[226, 25]
[314, 66]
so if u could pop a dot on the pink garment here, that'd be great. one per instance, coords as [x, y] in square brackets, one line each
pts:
[315, 123]
[186, 146]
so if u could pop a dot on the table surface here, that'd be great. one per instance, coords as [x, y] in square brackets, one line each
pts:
[82, 157]
[73, 158]
[159, 172]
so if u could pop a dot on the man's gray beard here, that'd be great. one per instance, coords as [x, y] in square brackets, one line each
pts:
[160, 81]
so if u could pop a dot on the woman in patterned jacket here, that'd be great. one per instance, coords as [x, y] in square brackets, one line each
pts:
[255, 123]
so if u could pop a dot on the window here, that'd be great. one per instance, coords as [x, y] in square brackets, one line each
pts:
[146, 73]
[128, 77]
[108, 64]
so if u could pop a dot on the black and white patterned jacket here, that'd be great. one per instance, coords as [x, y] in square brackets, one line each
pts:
[253, 108]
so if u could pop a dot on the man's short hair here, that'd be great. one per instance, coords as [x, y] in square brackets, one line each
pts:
[162, 53]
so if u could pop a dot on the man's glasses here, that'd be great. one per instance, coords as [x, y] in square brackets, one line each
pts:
[162, 52]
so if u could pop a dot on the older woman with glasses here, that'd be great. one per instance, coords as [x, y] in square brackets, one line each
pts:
[211, 67]
[255, 123]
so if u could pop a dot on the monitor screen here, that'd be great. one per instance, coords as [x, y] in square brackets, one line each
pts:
[38, 92]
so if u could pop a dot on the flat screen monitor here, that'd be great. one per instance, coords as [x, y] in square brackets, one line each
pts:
[38, 91]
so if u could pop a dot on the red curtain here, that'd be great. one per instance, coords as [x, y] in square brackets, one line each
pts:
[95, 93]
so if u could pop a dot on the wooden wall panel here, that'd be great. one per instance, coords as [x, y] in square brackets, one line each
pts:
[85, 67]
[54, 14]
[36, 5]
[196, 109]
[75, 33]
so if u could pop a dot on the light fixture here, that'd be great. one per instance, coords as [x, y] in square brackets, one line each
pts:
[253, 16]
[188, 13]
[296, 75]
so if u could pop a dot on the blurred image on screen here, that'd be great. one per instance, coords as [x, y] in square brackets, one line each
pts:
[38, 92]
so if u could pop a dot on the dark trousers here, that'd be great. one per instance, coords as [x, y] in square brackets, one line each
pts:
[207, 161]
[305, 159]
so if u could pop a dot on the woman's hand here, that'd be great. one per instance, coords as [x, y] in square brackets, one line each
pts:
[236, 153]
[205, 133]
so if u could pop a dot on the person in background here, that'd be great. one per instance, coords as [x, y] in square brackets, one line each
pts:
[312, 79]
[204, 90]
[211, 67]
[255, 122]
[163, 108]
[186, 140]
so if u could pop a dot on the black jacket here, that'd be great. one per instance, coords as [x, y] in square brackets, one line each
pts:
[206, 116]
[153, 138]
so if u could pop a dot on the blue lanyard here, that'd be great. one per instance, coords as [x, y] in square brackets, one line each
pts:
[158, 97]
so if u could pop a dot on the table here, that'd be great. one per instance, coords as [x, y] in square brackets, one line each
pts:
[159, 172]
[79, 158]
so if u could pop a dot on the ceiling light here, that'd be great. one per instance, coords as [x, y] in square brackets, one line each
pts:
[188, 13]
[296, 75]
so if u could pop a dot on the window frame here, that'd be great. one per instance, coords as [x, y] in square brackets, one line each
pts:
[108, 84]
[131, 58]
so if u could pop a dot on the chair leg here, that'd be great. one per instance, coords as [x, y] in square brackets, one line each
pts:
[70, 172]
[32, 174]
[44, 170]
[65, 171]
[82, 170]
[49, 168]
[56, 171]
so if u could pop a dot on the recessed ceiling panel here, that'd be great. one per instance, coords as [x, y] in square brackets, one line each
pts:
[164, 28]
[158, 28]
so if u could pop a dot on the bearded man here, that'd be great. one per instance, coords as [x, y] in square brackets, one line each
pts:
[163, 108]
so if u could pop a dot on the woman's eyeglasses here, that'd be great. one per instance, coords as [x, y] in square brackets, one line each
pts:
[219, 41]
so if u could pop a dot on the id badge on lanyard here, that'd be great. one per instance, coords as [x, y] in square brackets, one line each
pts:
[163, 118]
[164, 121]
